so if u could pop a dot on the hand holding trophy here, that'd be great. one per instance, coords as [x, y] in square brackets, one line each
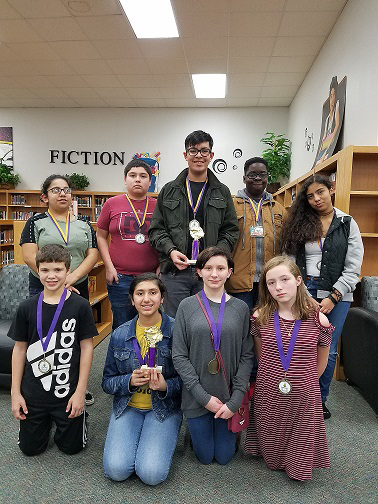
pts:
[153, 336]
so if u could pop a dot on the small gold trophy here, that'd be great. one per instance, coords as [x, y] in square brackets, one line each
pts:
[153, 336]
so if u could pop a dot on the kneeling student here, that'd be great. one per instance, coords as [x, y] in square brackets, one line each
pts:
[52, 359]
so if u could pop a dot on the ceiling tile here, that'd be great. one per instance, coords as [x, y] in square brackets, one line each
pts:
[33, 102]
[181, 102]
[257, 5]
[7, 12]
[19, 68]
[177, 92]
[80, 92]
[319, 5]
[40, 8]
[106, 27]
[37, 81]
[138, 80]
[264, 24]
[10, 82]
[129, 66]
[93, 7]
[74, 50]
[216, 47]
[189, 6]
[19, 93]
[144, 93]
[6, 54]
[112, 92]
[47, 93]
[149, 102]
[61, 102]
[242, 102]
[161, 48]
[64, 81]
[252, 79]
[59, 67]
[251, 46]
[279, 91]
[293, 64]
[297, 46]
[248, 65]
[118, 49]
[303, 24]
[211, 102]
[90, 67]
[17, 30]
[120, 102]
[243, 92]
[215, 25]
[106, 81]
[55, 29]
[168, 66]
[207, 65]
[173, 80]
[91, 102]
[284, 79]
[274, 102]
[34, 51]
[8, 102]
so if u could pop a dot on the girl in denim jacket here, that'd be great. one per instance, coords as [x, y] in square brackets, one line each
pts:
[146, 416]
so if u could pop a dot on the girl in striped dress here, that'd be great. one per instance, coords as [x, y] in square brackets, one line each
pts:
[292, 339]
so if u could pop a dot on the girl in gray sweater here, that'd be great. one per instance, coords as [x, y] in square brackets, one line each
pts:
[198, 354]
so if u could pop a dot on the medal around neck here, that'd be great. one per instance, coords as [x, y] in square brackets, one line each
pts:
[284, 386]
[153, 336]
[44, 366]
[140, 238]
[213, 366]
[216, 330]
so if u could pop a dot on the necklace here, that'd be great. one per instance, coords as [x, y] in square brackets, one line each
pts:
[290, 330]
[328, 213]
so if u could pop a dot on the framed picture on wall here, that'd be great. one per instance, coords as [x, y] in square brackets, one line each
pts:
[6, 146]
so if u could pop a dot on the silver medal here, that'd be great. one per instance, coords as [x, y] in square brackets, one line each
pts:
[140, 238]
[44, 366]
[284, 387]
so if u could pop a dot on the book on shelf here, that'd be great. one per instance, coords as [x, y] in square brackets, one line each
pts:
[7, 257]
[83, 201]
[19, 215]
[17, 199]
[6, 236]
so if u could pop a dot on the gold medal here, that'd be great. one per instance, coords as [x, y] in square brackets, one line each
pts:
[213, 366]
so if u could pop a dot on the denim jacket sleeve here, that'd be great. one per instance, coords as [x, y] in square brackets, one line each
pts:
[113, 382]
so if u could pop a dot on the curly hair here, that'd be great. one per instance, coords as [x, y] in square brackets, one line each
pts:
[303, 223]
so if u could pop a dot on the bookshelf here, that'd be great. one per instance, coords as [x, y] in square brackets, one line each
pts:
[355, 170]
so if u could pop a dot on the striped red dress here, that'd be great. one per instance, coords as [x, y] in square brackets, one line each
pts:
[288, 430]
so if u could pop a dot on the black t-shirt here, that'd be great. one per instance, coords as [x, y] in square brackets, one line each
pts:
[75, 323]
[196, 188]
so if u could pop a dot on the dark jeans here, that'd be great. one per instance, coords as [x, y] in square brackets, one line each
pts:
[179, 285]
[119, 299]
[337, 318]
[35, 287]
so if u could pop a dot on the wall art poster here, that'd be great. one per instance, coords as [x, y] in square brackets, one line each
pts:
[6, 146]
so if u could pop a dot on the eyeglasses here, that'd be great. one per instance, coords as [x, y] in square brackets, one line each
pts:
[254, 175]
[193, 151]
[58, 190]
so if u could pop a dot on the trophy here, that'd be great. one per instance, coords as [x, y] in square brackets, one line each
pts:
[153, 335]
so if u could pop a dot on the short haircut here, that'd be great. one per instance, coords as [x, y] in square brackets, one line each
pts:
[53, 253]
[147, 277]
[254, 160]
[334, 85]
[197, 137]
[46, 184]
[210, 252]
[138, 163]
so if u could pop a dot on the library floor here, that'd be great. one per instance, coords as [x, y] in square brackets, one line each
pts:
[54, 477]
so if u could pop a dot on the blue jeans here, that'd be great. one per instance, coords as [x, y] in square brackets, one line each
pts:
[118, 293]
[179, 285]
[211, 439]
[138, 442]
[337, 318]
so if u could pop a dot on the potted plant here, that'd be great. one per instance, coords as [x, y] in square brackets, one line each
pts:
[8, 179]
[278, 156]
[78, 181]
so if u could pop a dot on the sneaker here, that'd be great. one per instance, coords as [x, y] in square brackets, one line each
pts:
[326, 412]
[89, 399]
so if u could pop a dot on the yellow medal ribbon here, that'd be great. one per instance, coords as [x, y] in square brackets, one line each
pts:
[135, 212]
[64, 235]
[190, 197]
[256, 208]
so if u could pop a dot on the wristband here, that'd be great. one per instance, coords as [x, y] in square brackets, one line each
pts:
[171, 250]
[337, 294]
[334, 301]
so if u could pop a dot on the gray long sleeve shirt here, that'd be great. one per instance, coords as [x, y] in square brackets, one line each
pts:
[193, 349]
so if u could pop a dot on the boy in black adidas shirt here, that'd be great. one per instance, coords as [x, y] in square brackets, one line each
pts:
[52, 358]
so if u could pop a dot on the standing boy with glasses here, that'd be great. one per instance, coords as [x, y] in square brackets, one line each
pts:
[260, 223]
[193, 212]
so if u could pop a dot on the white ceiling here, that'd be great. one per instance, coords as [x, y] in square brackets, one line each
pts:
[73, 53]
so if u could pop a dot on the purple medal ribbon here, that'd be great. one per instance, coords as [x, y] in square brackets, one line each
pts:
[285, 359]
[139, 355]
[195, 246]
[54, 320]
[216, 328]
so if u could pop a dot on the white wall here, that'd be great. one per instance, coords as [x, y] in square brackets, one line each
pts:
[36, 131]
[351, 50]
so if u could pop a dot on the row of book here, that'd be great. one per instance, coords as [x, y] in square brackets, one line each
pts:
[19, 215]
[6, 236]
[7, 257]
[83, 201]
[17, 199]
